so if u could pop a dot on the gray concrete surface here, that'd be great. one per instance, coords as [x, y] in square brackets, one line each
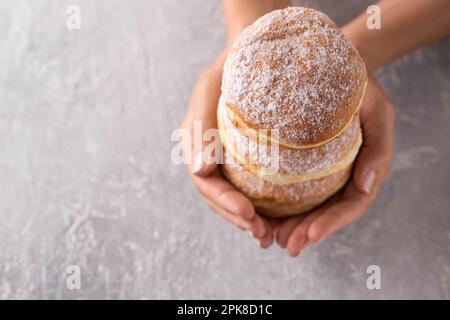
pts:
[86, 178]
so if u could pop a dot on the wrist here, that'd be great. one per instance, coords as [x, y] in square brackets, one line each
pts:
[231, 36]
[239, 14]
[372, 45]
[362, 44]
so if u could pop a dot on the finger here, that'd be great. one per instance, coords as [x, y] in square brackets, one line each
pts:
[373, 161]
[258, 227]
[288, 225]
[205, 97]
[349, 208]
[267, 239]
[202, 123]
[377, 121]
[221, 192]
[202, 145]
[228, 216]
[286, 228]
[242, 224]
[298, 239]
[203, 165]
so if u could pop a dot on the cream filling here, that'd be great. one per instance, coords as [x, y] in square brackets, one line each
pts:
[268, 175]
[254, 134]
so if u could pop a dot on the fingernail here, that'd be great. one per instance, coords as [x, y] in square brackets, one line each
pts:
[198, 163]
[369, 179]
[250, 233]
[260, 230]
[295, 254]
[258, 242]
[317, 241]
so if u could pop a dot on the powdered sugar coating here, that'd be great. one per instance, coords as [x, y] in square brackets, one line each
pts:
[285, 200]
[293, 70]
[295, 161]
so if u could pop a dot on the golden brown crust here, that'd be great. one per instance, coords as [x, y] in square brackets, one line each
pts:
[292, 165]
[293, 70]
[278, 201]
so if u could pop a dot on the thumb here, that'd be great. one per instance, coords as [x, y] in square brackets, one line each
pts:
[203, 165]
[205, 148]
[371, 167]
[377, 121]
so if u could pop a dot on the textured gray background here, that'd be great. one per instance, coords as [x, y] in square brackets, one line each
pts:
[86, 177]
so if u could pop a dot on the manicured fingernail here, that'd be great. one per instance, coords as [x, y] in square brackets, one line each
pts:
[201, 166]
[318, 240]
[258, 242]
[198, 163]
[295, 254]
[369, 179]
[260, 230]
[250, 233]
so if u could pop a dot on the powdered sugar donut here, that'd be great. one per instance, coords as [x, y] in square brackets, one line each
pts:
[292, 71]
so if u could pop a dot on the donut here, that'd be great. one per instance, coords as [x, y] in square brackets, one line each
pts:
[293, 73]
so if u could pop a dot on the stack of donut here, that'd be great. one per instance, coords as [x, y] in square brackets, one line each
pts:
[288, 114]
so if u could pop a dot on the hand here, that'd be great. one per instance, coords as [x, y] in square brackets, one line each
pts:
[221, 196]
[371, 167]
